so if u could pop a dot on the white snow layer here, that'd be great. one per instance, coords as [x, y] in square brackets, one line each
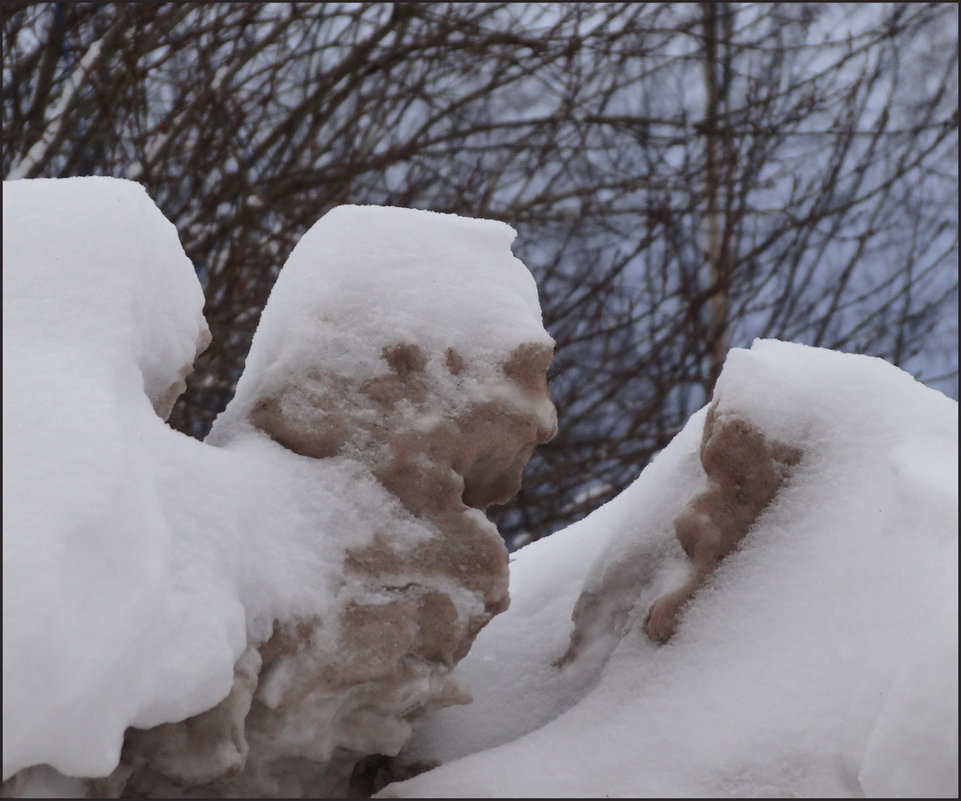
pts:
[101, 310]
[820, 660]
[435, 280]
[137, 562]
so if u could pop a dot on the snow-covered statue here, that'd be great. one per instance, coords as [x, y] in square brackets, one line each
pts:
[261, 613]
[410, 342]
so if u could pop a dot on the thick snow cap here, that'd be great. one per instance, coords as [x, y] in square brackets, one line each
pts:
[365, 278]
[94, 259]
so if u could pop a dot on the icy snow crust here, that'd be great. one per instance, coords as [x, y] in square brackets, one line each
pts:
[138, 563]
[820, 660]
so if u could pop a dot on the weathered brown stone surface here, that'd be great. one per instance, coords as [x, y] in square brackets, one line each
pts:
[745, 471]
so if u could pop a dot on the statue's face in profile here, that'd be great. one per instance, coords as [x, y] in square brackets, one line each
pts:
[500, 435]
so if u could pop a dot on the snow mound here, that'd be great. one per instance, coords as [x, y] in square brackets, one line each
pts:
[820, 659]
